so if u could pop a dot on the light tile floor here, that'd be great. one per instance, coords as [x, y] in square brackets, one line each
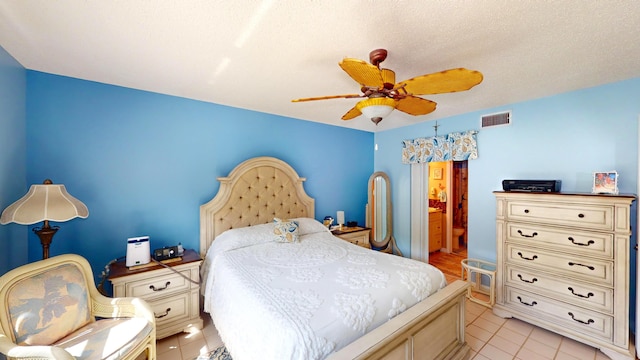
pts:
[494, 338]
[185, 346]
[489, 336]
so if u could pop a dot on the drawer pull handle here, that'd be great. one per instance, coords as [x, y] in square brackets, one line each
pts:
[580, 216]
[590, 294]
[527, 236]
[577, 264]
[526, 258]
[590, 321]
[590, 242]
[533, 303]
[166, 312]
[526, 211]
[527, 281]
[160, 289]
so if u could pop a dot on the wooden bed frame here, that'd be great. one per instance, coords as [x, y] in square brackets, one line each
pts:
[262, 188]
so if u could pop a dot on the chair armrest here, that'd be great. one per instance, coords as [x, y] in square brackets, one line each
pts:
[12, 351]
[123, 307]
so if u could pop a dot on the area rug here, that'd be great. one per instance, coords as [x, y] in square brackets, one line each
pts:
[220, 353]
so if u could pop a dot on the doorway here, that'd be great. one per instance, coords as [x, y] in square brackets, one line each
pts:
[451, 197]
[439, 233]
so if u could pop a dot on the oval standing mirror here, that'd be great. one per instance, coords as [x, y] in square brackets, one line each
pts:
[379, 213]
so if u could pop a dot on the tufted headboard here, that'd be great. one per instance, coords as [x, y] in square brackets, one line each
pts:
[255, 192]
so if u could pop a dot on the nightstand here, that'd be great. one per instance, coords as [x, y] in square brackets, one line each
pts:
[355, 235]
[174, 299]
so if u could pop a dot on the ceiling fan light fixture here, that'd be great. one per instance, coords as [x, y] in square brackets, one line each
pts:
[377, 108]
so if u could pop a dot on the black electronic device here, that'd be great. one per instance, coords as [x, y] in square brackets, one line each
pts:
[548, 186]
[166, 253]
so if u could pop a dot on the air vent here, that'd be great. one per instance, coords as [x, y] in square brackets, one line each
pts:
[503, 118]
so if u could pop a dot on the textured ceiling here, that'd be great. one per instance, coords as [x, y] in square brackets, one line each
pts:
[259, 55]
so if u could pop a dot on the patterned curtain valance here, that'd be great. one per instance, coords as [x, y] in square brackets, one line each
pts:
[454, 146]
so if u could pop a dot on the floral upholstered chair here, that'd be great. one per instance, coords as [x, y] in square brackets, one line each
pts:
[51, 309]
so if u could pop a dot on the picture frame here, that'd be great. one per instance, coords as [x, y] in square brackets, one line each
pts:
[437, 174]
[605, 182]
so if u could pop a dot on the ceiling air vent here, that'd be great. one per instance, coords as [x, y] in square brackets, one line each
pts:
[503, 118]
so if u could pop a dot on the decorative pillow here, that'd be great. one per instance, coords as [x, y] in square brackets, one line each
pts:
[285, 230]
[309, 226]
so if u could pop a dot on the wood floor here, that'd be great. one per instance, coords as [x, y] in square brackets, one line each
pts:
[449, 264]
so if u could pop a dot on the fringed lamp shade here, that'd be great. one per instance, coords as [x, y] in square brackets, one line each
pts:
[46, 202]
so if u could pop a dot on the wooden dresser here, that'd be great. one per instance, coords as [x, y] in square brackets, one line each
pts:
[563, 265]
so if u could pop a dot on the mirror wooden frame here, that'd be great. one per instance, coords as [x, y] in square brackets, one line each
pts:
[388, 243]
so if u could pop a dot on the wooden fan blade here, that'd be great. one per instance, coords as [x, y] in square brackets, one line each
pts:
[353, 113]
[451, 80]
[388, 76]
[414, 105]
[362, 72]
[347, 96]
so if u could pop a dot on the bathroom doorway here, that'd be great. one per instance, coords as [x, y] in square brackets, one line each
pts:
[447, 186]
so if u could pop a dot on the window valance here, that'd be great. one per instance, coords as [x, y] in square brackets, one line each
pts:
[457, 146]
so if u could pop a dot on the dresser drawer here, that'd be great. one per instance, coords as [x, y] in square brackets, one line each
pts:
[169, 309]
[589, 216]
[572, 317]
[586, 243]
[576, 292]
[160, 285]
[575, 266]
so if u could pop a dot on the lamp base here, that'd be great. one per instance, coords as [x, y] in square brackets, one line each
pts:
[46, 236]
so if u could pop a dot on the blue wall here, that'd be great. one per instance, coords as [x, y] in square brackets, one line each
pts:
[143, 163]
[13, 154]
[565, 137]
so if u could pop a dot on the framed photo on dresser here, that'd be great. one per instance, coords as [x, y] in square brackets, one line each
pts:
[605, 182]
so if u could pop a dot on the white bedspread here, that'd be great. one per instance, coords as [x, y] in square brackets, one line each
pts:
[307, 299]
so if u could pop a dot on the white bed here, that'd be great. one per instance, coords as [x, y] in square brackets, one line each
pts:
[318, 297]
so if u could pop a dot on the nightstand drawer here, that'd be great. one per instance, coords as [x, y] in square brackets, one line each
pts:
[174, 308]
[158, 285]
[359, 237]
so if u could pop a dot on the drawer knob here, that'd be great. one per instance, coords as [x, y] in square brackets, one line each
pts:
[527, 236]
[590, 321]
[166, 312]
[527, 281]
[580, 216]
[577, 264]
[526, 211]
[590, 294]
[533, 303]
[526, 258]
[160, 289]
[590, 242]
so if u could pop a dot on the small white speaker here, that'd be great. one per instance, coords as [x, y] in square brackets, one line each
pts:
[138, 251]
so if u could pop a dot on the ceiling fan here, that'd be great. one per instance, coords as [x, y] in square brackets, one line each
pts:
[384, 94]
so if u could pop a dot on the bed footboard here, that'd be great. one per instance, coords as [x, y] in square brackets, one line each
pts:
[431, 329]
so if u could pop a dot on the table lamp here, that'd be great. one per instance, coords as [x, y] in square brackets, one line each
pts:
[45, 202]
